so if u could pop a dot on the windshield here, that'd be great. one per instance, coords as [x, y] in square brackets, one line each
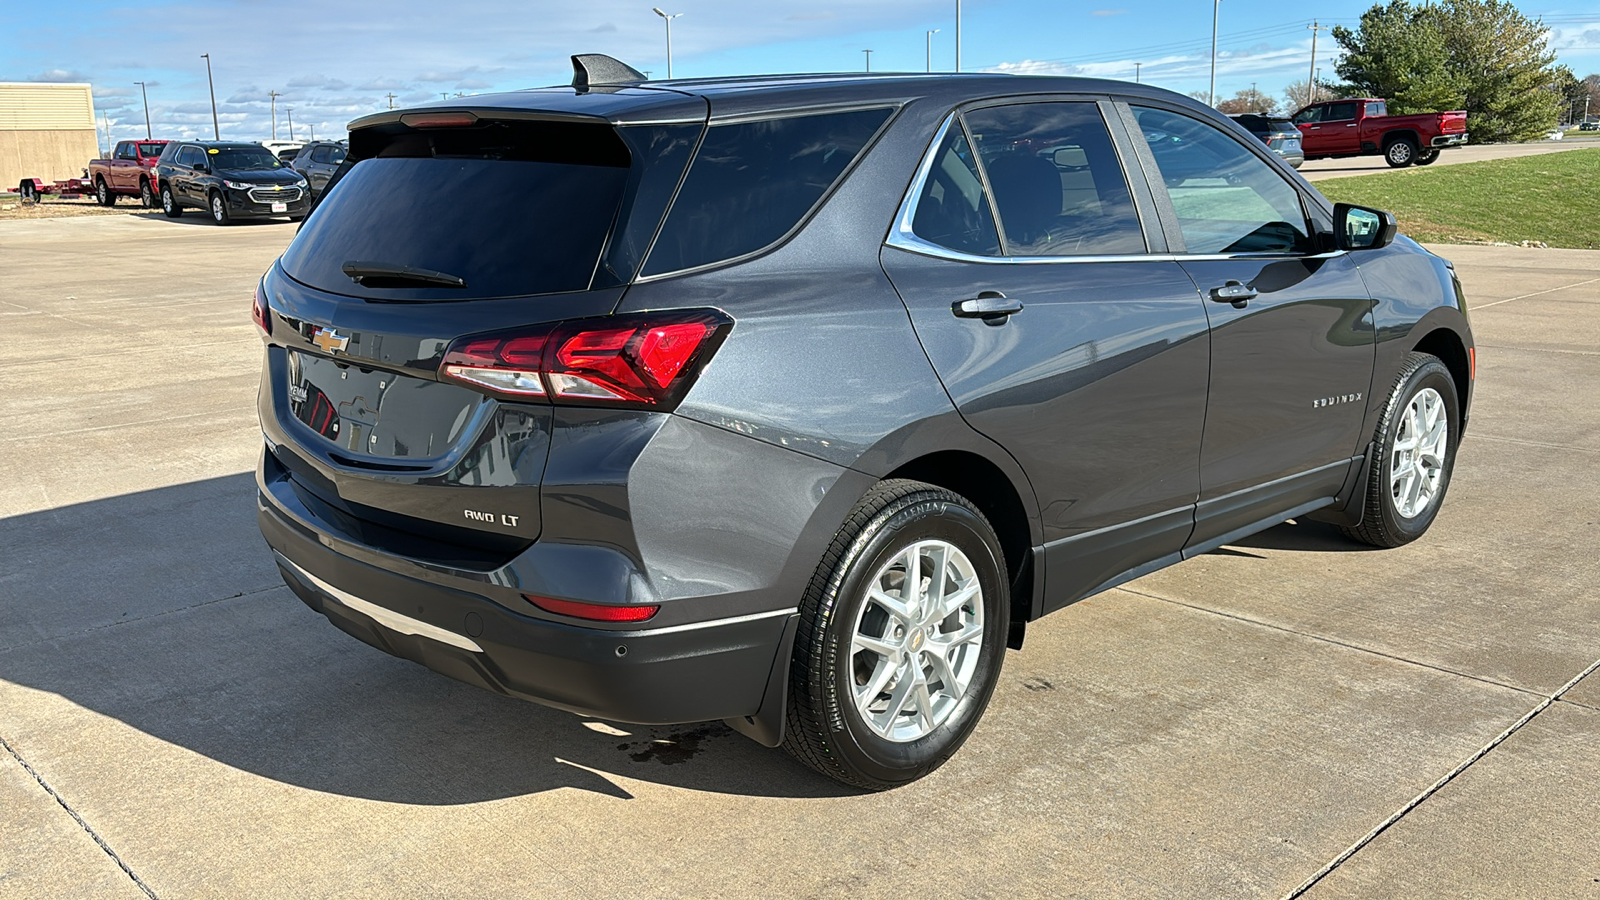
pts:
[150, 149]
[243, 158]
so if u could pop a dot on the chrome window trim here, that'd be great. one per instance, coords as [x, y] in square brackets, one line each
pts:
[902, 237]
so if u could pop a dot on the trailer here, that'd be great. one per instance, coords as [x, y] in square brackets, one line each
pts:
[32, 189]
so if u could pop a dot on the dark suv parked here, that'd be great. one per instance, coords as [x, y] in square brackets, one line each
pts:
[318, 161]
[229, 180]
[789, 401]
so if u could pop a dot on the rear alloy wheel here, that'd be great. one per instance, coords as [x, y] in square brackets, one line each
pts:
[1400, 153]
[146, 198]
[103, 193]
[169, 203]
[29, 195]
[1427, 157]
[1416, 443]
[219, 208]
[901, 637]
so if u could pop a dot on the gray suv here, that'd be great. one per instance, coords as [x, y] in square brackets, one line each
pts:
[791, 401]
[318, 161]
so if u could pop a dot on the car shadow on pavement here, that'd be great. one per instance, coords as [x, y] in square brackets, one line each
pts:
[164, 611]
[201, 217]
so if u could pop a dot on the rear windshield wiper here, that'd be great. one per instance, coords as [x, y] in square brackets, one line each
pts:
[382, 275]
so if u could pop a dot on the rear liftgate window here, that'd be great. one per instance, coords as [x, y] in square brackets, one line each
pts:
[498, 209]
[753, 182]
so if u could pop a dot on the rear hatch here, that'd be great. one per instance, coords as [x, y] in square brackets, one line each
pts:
[443, 225]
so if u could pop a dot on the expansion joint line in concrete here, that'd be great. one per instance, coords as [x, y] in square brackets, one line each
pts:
[138, 882]
[1450, 776]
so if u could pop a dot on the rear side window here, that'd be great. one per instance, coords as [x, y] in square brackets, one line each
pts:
[753, 182]
[953, 210]
[1057, 181]
[319, 155]
[1339, 112]
[511, 208]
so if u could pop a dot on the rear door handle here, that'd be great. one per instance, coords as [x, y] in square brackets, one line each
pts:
[1234, 292]
[992, 307]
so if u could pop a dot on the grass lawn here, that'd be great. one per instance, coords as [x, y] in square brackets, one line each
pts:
[1553, 198]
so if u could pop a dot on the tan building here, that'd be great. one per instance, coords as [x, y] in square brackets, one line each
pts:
[46, 131]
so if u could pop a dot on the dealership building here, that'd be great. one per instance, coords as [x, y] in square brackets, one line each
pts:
[46, 131]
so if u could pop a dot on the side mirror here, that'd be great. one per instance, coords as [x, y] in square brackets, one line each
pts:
[199, 167]
[1361, 228]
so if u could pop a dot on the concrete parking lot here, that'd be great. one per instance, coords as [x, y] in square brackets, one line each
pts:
[1320, 169]
[1291, 710]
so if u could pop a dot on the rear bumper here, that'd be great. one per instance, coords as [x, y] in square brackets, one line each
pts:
[684, 673]
[1448, 140]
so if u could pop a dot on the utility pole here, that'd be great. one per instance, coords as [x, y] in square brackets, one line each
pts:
[1216, 10]
[147, 134]
[215, 128]
[107, 120]
[1255, 98]
[958, 35]
[391, 99]
[930, 48]
[1311, 77]
[1136, 68]
[274, 95]
[668, 19]
[869, 59]
[290, 109]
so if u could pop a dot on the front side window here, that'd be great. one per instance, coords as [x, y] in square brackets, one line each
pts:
[1058, 185]
[1308, 116]
[125, 151]
[1227, 199]
[753, 182]
[953, 209]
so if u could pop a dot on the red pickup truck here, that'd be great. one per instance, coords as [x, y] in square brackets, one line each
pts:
[130, 172]
[1362, 126]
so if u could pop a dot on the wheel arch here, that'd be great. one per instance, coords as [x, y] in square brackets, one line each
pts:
[1447, 345]
[1390, 137]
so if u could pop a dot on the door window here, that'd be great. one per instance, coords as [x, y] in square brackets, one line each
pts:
[125, 151]
[1339, 112]
[189, 155]
[319, 154]
[953, 209]
[1227, 199]
[1057, 182]
[1308, 116]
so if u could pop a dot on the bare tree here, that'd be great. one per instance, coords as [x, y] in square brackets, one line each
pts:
[1299, 93]
[1250, 101]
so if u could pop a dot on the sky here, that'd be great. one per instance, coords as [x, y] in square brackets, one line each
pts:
[330, 62]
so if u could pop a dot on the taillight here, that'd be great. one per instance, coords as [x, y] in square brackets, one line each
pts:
[644, 361]
[594, 612]
[259, 311]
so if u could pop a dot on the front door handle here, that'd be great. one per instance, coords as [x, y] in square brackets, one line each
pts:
[1234, 292]
[992, 307]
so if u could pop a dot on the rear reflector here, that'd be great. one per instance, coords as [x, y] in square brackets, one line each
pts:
[594, 612]
[643, 361]
[259, 311]
[439, 120]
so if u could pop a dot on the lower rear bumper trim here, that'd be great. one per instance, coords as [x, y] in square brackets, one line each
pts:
[387, 617]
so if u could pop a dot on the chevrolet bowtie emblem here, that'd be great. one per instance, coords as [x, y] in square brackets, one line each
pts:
[330, 340]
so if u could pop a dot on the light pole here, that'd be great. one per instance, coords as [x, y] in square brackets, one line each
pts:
[215, 128]
[668, 19]
[274, 96]
[1311, 76]
[930, 48]
[147, 134]
[290, 111]
[958, 35]
[1136, 68]
[869, 59]
[1216, 10]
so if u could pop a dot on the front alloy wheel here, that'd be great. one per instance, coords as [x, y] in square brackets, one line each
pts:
[901, 636]
[1414, 453]
[219, 209]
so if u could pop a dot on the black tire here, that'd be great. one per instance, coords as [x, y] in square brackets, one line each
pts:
[217, 206]
[1427, 157]
[824, 729]
[169, 203]
[147, 197]
[102, 193]
[1382, 524]
[29, 195]
[1400, 153]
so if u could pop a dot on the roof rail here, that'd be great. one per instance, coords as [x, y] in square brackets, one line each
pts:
[598, 70]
